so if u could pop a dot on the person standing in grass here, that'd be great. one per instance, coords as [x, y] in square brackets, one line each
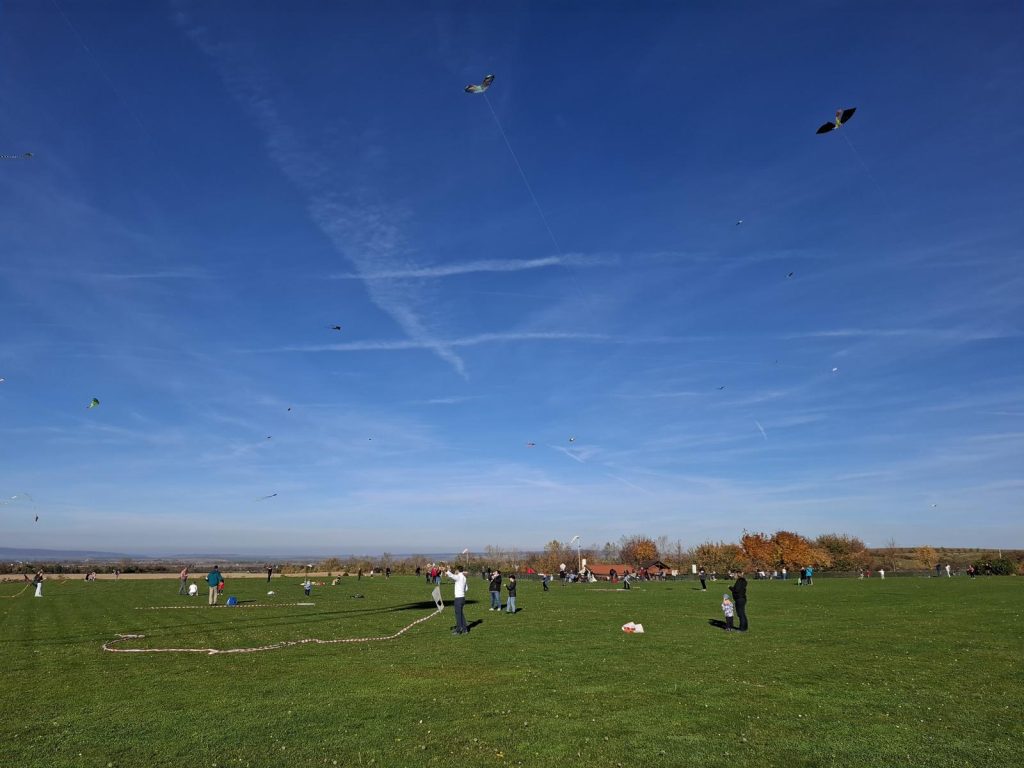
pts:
[728, 609]
[703, 580]
[183, 581]
[739, 596]
[460, 599]
[38, 581]
[495, 588]
[270, 572]
[214, 580]
[511, 587]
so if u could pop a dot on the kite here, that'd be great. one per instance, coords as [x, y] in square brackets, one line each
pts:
[93, 404]
[465, 551]
[26, 156]
[572, 439]
[261, 498]
[37, 516]
[739, 222]
[790, 274]
[334, 327]
[763, 433]
[2, 380]
[720, 389]
[436, 594]
[473, 88]
[531, 445]
[835, 370]
[842, 115]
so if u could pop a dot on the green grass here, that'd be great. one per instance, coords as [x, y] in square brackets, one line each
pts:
[910, 671]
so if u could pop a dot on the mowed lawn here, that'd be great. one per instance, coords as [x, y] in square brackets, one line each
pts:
[909, 671]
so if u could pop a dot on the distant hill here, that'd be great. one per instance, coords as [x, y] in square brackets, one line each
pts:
[55, 555]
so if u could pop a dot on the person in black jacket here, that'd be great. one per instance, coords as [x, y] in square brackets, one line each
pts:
[495, 589]
[739, 597]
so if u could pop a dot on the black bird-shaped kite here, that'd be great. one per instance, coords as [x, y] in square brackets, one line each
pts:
[334, 327]
[842, 115]
[474, 88]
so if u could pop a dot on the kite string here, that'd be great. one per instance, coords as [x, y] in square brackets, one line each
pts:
[885, 197]
[22, 590]
[526, 181]
[117, 93]
[122, 637]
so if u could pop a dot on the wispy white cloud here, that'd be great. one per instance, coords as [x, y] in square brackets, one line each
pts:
[482, 265]
[939, 334]
[477, 340]
[167, 274]
[363, 231]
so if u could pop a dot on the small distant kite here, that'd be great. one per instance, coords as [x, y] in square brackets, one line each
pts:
[934, 506]
[763, 433]
[289, 407]
[789, 275]
[572, 439]
[2, 379]
[269, 436]
[95, 402]
[842, 115]
[531, 445]
[720, 389]
[482, 87]
[334, 327]
[835, 370]
[261, 498]
[465, 551]
[739, 222]
[37, 516]
[26, 156]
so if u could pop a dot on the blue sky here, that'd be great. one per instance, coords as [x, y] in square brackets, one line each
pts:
[215, 185]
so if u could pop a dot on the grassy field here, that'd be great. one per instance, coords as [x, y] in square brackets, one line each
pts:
[910, 671]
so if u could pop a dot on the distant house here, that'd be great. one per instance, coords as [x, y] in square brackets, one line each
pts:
[603, 571]
[652, 564]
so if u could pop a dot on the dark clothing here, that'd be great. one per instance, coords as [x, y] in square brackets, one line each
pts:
[269, 572]
[460, 618]
[741, 614]
[495, 585]
[511, 587]
[739, 589]
[739, 597]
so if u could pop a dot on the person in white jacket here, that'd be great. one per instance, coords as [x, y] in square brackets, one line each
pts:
[460, 599]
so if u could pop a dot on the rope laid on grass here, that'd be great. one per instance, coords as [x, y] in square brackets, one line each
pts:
[204, 607]
[121, 638]
[22, 590]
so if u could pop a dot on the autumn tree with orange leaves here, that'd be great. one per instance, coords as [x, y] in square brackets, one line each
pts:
[638, 549]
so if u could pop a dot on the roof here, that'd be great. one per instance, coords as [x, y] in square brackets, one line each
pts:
[656, 564]
[603, 569]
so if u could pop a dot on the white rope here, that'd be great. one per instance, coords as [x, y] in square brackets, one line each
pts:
[202, 607]
[19, 593]
[121, 638]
